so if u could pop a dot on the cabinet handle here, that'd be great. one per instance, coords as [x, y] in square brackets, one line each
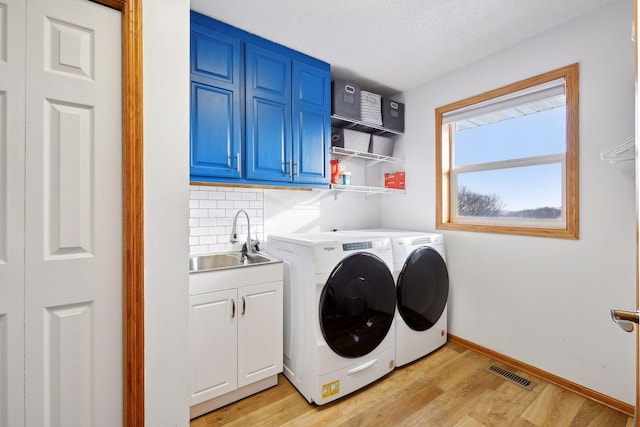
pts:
[244, 306]
[290, 168]
[239, 163]
[233, 308]
[295, 167]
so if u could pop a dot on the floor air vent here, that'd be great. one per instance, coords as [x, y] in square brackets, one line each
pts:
[510, 376]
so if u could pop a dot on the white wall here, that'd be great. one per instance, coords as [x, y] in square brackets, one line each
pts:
[166, 213]
[544, 301]
[315, 211]
[288, 211]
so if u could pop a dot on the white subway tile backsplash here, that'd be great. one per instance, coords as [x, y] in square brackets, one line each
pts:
[194, 250]
[208, 222]
[224, 239]
[198, 195]
[208, 240]
[220, 248]
[208, 204]
[198, 213]
[215, 231]
[212, 210]
[198, 231]
[223, 204]
[227, 221]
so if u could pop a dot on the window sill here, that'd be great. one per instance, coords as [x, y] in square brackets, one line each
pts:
[560, 233]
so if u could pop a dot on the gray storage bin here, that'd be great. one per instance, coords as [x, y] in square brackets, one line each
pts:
[345, 99]
[350, 139]
[382, 145]
[392, 115]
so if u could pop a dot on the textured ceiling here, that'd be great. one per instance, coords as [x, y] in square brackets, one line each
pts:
[389, 46]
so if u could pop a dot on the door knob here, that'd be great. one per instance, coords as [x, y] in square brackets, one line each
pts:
[625, 319]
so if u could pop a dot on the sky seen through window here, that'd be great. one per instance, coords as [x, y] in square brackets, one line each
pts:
[519, 188]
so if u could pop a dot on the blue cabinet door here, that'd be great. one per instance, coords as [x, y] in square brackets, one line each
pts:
[311, 123]
[267, 115]
[216, 105]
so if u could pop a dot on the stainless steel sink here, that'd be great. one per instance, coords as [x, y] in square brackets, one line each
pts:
[217, 261]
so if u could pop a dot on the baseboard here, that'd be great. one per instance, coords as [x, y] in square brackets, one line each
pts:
[616, 404]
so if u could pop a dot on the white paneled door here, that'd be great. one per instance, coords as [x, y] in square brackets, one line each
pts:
[61, 239]
[12, 140]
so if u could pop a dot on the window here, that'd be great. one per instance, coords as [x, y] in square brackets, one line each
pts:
[507, 160]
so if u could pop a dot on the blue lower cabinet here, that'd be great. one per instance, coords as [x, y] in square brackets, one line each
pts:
[260, 112]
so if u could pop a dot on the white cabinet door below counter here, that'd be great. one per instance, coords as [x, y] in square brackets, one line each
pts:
[213, 344]
[259, 332]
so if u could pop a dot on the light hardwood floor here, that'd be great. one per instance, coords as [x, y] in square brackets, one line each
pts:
[450, 387]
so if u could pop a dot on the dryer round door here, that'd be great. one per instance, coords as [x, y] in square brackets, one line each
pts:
[357, 305]
[423, 288]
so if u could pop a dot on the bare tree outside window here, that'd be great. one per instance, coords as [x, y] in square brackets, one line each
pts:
[471, 203]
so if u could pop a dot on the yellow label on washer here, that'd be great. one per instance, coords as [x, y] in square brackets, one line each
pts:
[330, 389]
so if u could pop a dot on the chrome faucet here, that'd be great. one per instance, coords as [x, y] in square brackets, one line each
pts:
[248, 247]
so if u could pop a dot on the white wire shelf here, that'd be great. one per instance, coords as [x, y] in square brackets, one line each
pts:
[622, 151]
[345, 153]
[339, 121]
[366, 189]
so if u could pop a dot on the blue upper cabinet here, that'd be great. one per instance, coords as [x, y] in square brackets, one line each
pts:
[268, 114]
[216, 104]
[260, 112]
[311, 122]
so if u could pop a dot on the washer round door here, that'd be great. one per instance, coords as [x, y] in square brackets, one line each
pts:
[357, 305]
[423, 288]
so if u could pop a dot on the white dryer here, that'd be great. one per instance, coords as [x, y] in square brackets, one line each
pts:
[339, 312]
[422, 281]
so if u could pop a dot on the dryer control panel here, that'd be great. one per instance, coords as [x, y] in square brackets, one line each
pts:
[358, 246]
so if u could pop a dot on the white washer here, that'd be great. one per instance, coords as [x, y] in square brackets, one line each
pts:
[339, 312]
[422, 279]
